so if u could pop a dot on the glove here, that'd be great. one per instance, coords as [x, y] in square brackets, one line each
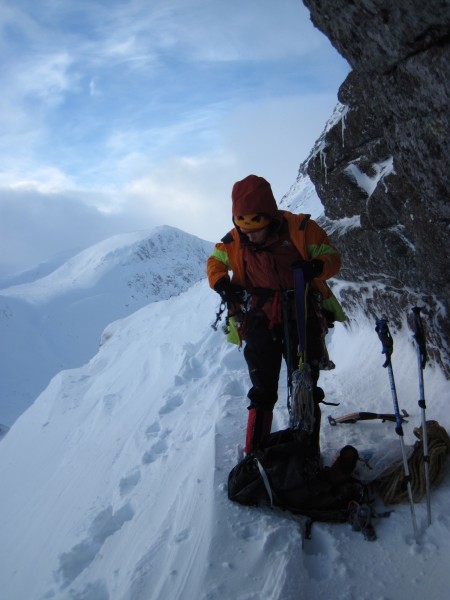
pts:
[311, 268]
[231, 293]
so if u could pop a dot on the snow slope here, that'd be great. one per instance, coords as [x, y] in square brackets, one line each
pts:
[302, 197]
[55, 322]
[114, 480]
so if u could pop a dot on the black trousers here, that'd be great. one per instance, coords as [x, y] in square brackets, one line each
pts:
[264, 351]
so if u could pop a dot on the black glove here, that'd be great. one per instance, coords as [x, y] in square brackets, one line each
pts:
[311, 268]
[231, 293]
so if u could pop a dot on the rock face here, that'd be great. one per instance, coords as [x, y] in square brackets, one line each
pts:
[382, 169]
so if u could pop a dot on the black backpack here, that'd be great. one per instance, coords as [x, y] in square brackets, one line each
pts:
[285, 472]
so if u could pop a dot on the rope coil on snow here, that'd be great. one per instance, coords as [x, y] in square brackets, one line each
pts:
[391, 483]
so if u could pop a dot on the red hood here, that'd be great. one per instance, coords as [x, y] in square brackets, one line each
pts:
[253, 195]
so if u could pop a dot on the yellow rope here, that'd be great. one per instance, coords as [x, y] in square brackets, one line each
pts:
[391, 484]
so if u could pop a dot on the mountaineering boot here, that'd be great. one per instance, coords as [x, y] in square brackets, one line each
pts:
[258, 427]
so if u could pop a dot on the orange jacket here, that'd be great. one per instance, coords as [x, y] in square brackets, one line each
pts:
[310, 240]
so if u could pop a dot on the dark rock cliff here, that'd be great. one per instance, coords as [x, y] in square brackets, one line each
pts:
[382, 170]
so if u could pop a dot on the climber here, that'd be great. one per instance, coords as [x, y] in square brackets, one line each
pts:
[261, 251]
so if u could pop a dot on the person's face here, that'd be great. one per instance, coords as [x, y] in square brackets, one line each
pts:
[257, 237]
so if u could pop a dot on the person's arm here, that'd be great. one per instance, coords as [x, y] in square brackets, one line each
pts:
[320, 248]
[218, 265]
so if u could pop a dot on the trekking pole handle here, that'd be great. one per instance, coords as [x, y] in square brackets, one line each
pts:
[386, 340]
[388, 346]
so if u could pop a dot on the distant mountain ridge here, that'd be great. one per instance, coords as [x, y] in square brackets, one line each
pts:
[41, 270]
[56, 321]
[141, 259]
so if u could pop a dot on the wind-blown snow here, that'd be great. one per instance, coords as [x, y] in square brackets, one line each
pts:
[114, 480]
[341, 226]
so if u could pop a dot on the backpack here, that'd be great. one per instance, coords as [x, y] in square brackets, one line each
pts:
[285, 472]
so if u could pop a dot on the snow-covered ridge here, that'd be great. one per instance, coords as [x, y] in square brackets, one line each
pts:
[56, 322]
[162, 249]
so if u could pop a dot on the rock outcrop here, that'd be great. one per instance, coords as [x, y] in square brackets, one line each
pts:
[382, 169]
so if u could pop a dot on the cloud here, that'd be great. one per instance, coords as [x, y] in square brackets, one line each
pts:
[120, 116]
[36, 225]
[200, 30]
[191, 191]
[271, 139]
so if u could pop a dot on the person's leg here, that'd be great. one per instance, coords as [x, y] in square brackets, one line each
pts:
[263, 354]
[259, 424]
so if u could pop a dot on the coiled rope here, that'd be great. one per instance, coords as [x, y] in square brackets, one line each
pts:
[391, 483]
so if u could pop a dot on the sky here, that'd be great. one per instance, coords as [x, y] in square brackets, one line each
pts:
[120, 116]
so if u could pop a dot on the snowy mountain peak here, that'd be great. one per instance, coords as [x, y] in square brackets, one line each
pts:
[60, 317]
[122, 256]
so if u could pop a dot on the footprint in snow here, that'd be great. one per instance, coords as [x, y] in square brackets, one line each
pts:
[158, 449]
[249, 533]
[319, 553]
[191, 370]
[109, 402]
[172, 402]
[78, 559]
[129, 482]
[182, 536]
[152, 430]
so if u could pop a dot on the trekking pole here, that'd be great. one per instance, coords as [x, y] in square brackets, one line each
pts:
[419, 336]
[287, 347]
[388, 346]
[302, 416]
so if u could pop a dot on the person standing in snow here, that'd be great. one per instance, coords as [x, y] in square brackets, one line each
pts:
[261, 251]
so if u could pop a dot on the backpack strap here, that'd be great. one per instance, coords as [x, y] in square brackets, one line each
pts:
[304, 222]
[265, 480]
[228, 238]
